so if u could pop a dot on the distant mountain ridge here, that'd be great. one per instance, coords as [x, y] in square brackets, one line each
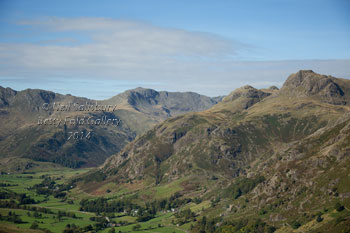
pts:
[138, 109]
[163, 104]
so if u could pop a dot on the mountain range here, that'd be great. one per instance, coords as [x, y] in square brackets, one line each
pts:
[280, 155]
[24, 143]
[256, 160]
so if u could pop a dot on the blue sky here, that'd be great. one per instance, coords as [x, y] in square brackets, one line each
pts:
[100, 48]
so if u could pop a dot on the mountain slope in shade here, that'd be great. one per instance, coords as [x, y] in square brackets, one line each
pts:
[138, 110]
[291, 147]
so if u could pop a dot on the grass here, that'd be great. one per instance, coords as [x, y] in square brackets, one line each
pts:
[164, 191]
[7, 227]
[48, 221]
[22, 182]
[151, 225]
[55, 203]
[200, 206]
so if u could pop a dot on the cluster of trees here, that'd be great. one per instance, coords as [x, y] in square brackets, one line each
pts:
[66, 214]
[173, 202]
[60, 214]
[72, 228]
[184, 216]
[103, 205]
[22, 198]
[7, 185]
[38, 209]
[100, 205]
[36, 214]
[66, 160]
[11, 204]
[145, 214]
[98, 219]
[205, 225]
[25, 177]
[11, 217]
[243, 186]
[35, 225]
[49, 187]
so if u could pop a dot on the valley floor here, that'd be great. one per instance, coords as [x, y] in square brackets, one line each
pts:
[37, 211]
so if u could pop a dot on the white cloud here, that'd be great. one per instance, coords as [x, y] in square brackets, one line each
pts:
[118, 46]
[165, 58]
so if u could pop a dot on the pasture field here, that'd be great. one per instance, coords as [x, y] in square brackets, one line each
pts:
[56, 214]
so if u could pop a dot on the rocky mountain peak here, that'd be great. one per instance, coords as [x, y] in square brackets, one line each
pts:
[28, 99]
[246, 95]
[162, 103]
[240, 99]
[273, 88]
[312, 83]
[146, 92]
[309, 83]
[141, 95]
[6, 94]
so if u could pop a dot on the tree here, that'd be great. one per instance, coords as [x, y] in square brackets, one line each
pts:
[136, 227]
[34, 225]
[271, 229]
[338, 207]
[36, 215]
[296, 225]
[237, 193]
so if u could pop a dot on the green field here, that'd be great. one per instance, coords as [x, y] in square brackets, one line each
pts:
[56, 214]
[22, 183]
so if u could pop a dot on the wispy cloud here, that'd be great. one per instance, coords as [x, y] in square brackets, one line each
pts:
[139, 52]
[118, 45]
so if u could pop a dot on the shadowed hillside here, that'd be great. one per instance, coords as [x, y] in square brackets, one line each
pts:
[138, 110]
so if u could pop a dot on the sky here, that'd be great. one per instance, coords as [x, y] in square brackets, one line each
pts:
[98, 49]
